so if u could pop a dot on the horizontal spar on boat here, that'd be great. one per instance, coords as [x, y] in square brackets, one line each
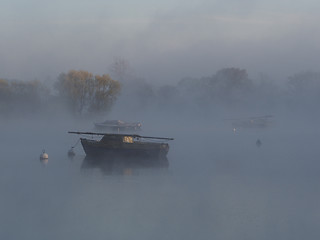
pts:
[114, 134]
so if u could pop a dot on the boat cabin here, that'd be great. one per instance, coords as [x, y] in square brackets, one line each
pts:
[117, 138]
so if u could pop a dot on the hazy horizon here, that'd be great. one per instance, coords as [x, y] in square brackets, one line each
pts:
[225, 178]
[163, 42]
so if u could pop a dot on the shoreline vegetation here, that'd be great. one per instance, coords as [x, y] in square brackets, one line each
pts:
[80, 93]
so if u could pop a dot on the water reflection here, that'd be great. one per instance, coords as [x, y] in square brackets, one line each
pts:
[123, 166]
[44, 161]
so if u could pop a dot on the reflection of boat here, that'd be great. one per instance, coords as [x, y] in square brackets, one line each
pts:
[44, 161]
[118, 125]
[123, 166]
[125, 145]
[251, 122]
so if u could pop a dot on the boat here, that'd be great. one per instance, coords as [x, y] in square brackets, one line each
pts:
[124, 145]
[118, 125]
[252, 122]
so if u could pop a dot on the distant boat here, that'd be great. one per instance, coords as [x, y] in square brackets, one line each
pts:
[251, 122]
[118, 125]
[125, 145]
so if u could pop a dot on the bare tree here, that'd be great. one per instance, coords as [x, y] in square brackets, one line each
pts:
[120, 69]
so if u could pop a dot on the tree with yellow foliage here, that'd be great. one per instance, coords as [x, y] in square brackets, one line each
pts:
[85, 92]
[105, 92]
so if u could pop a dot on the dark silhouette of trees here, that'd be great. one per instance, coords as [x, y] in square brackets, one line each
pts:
[4, 94]
[4, 89]
[136, 95]
[230, 79]
[304, 90]
[22, 96]
[82, 92]
[169, 97]
[227, 86]
[230, 85]
[304, 82]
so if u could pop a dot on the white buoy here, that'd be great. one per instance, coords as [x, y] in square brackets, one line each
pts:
[43, 155]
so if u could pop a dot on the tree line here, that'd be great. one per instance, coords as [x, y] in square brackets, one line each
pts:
[80, 92]
[228, 88]
[27, 95]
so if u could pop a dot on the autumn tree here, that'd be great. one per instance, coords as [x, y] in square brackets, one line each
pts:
[74, 88]
[105, 92]
[85, 92]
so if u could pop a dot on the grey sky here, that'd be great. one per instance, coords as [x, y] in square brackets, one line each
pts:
[162, 40]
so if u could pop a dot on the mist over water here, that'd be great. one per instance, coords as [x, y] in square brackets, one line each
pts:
[188, 70]
[218, 183]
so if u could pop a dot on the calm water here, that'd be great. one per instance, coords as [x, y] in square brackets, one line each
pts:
[218, 185]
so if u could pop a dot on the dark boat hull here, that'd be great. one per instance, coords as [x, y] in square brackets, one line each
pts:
[94, 148]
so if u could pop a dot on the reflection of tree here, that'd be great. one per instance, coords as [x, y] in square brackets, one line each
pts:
[83, 91]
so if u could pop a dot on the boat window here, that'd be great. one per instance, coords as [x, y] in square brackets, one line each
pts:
[128, 139]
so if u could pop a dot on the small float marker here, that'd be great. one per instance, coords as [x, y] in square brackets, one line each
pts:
[258, 143]
[71, 153]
